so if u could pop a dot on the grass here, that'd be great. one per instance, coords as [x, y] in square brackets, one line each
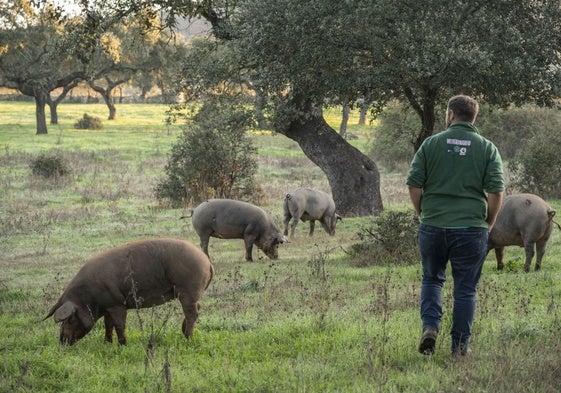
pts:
[312, 321]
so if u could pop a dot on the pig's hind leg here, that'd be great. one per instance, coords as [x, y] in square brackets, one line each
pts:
[191, 309]
[529, 249]
[500, 254]
[540, 250]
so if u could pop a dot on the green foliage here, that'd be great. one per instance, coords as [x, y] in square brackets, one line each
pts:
[392, 143]
[50, 165]
[300, 45]
[390, 238]
[88, 122]
[537, 166]
[213, 159]
[510, 129]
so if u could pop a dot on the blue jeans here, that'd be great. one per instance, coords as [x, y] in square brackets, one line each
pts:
[466, 249]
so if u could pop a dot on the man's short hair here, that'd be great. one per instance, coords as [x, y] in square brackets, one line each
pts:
[464, 107]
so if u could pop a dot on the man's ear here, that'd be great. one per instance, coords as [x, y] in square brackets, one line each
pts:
[451, 116]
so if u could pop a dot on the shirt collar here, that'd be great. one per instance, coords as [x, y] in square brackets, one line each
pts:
[464, 124]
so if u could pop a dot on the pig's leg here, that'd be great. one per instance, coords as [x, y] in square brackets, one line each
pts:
[500, 253]
[248, 241]
[204, 243]
[540, 250]
[529, 248]
[295, 219]
[287, 218]
[109, 326]
[312, 226]
[191, 311]
[118, 315]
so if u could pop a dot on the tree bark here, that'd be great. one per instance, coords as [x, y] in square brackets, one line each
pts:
[344, 120]
[363, 113]
[40, 102]
[354, 178]
[53, 103]
[425, 110]
[108, 99]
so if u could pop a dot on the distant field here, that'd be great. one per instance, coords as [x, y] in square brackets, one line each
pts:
[311, 321]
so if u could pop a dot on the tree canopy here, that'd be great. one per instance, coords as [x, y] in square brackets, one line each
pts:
[34, 59]
[43, 49]
[419, 52]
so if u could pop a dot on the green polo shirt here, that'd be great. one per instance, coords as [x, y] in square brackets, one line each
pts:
[455, 169]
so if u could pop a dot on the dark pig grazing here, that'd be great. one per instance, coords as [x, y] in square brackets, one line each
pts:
[139, 274]
[309, 205]
[524, 220]
[231, 219]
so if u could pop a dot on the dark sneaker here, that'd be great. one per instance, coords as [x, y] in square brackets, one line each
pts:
[428, 341]
[460, 350]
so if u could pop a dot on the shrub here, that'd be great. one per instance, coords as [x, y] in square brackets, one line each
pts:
[536, 167]
[88, 122]
[212, 159]
[391, 237]
[49, 165]
[512, 128]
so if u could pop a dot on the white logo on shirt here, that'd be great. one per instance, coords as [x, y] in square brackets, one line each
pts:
[459, 142]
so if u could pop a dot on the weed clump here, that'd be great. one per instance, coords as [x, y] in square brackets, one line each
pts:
[391, 237]
[88, 122]
[49, 166]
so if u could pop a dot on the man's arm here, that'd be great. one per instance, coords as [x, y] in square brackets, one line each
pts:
[415, 194]
[494, 202]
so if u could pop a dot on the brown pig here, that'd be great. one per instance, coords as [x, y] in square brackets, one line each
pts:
[139, 274]
[524, 220]
[231, 219]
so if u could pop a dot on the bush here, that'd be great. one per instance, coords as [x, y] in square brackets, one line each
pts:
[537, 166]
[49, 166]
[213, 159]
[88, 122]
[512, 128]
[392, 237]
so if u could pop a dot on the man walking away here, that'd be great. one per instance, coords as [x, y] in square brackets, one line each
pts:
[456, 186]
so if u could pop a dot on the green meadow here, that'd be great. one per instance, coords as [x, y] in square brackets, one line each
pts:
[312, 321]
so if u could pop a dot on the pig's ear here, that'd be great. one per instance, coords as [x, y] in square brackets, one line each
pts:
[65, 311]
[86, 317]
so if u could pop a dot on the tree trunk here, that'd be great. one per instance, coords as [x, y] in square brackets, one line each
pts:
[363, 113]
[108, 98]
[260, 101]
[427, 124]
[425, 110]
[107, 95]
[112, 110]
[40, 102]
[66, 88]
[354, 178]
[53, 109]
[344, 121]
